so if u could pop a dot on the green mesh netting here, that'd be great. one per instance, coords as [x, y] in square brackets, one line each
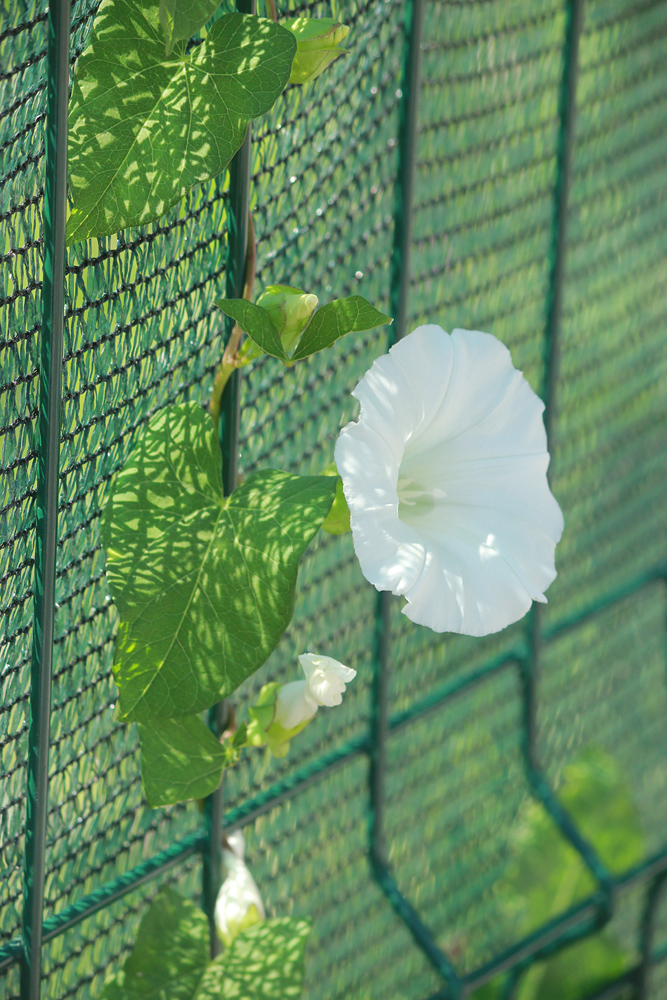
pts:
[142, 331]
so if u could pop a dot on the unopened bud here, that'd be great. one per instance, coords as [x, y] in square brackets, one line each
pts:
[282, 711]
[239, 904]
[290, 310]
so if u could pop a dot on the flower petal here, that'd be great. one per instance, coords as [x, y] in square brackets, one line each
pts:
[326, 678]
[445, 477]
[294, 705]
[474, 596]
[390, 553]
[404, 389]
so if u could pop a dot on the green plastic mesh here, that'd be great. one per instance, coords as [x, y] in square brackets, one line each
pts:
[142, 331]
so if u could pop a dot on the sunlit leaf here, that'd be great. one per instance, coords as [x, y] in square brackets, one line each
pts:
[256, 323]
[180, 759]
[204, 586]
[170, 954]
[327, 324]
[145, 128]
[351, 315]
[265, 962]
[181, 19]
[318, 44]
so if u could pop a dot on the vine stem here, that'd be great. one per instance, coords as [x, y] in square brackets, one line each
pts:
[230, 358]
[271, 9]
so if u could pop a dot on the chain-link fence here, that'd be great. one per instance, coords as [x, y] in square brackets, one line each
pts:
[527, 198]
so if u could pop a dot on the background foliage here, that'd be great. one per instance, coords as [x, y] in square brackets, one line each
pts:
[143, 330]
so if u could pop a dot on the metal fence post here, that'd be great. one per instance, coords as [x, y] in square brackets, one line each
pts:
[46, 504]
[400, 287]
[228, 432]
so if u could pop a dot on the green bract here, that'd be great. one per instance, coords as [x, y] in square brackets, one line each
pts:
[204, 585]
[144, 127]
[318, 44]
[326, 326]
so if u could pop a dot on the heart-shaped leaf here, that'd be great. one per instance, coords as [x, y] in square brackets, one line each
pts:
[351, 315]
[145, 128]
[265, 962]
[180, 759]
[204, 585]
[169, 956]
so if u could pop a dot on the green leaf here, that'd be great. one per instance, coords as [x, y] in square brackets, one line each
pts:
[170, 955]
[598, 797]
[547, 875]
[575, 972]
[181, 19]
[204, 586]
[256, 322]
[145, 128]
[180, 759]
[351, 315]
[317, 40]
[265, 962]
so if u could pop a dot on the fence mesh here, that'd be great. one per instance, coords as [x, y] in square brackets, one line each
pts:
[142, 331]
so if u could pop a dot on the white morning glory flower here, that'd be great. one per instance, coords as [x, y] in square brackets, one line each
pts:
[239, 904]
[324, 685]
[445, 477]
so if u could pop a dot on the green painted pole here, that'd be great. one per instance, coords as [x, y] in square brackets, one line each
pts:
[551, 342]
[654, 898]
[400, 288]
[228, 435]
[46, 504]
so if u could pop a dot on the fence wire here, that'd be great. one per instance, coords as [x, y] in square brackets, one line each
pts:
[471, 729]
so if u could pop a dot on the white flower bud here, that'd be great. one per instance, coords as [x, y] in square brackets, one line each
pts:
[294, 705]
[239, 904]
[284, 710]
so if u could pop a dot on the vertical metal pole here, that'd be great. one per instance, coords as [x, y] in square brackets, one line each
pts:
[407, 139]
[567, 114]
[530, 667]
[400, 288]
[46, 504]
[228, 435]
[653, 898]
